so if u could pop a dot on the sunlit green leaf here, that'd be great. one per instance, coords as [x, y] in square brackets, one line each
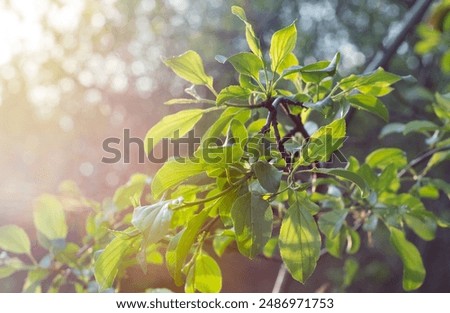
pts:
[108, 263]
[368, 83]
[220, 125]
[234, 94]
[181, 244]
[14, 239]
[437, 158]
[49, 217]
[336, 245]
[429, 191]
[34, 279]
[222, 241]
[299, 241]
[175, 125]
[174, 172]
[423, 223]
[271, 247]
[130, 193]
[282, 44]
[323, 142]
[413, 269]
[204, 275]
[154, 223]
[252, 40]
[247, 63]
[252, 220]
[289, 61]
[369, 103]
[316, 72]
[189, 66]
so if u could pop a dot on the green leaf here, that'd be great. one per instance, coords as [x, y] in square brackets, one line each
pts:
[289, 61]
[154, 223]
[316, 72]
[220, 126]
[268, 176]
[165, 178]
[130, 193]
[204, 275]
[330, 223]
[336, 245]
[175, 125]
[252, 40]
[252, 219]
[392, 128]
[348, 175]
[235, 94]
[388, 180]
[282, 44]
[14, 239]
[351, 268]
[353, 241]
[419, 126]
[180, 246]
[109, 261]
[323, 106]
[247, 63]
[270, 247]
[323, 143]
[381, 158]
[423, 223]
[437, 158]
[445, 61]
[413, 269]
[369, 103]
[9, 266]
[33, 281]
[49, 217]
[189, 66]
[299, 241]
[222, 240]
[374, 83]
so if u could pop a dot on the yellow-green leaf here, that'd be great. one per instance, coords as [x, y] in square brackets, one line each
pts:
[49, 217]
[282, 44]
[14, 239]
[178, 124]
[413, 269]
[189, 66]
[204, 275]
[371, 104]
[299, 241]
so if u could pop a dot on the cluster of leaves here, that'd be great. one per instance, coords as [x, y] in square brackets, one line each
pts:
[272, 200]
[64, 257]
[261, 179]
[435, 35]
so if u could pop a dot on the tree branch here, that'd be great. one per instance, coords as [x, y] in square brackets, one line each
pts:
[384, 56]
